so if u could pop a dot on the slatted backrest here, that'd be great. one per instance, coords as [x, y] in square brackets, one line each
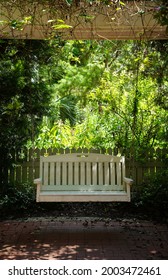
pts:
[82, 169]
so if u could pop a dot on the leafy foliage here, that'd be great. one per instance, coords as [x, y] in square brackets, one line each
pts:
[152, 196]
[87, 94]
[109, 94]
[17, 199]
[161, 13]
[24, 92]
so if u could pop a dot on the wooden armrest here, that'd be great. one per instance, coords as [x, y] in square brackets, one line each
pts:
[37, 181]
[128, 181]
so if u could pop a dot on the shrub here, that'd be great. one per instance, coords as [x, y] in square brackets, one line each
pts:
[152, 195]
[17, 199]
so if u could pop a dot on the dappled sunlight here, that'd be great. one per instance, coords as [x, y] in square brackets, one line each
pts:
[77, 239]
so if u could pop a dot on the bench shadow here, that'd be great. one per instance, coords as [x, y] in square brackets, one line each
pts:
[82, 240]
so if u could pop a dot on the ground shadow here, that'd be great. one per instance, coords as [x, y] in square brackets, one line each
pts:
[82, 239]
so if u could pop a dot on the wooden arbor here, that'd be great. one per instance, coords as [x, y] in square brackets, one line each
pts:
[82, 20]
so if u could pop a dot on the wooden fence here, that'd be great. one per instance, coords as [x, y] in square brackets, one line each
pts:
[26, 166]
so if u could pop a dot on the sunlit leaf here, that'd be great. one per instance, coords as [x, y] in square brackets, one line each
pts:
[122, 3]
[69, 2]
[61, 26]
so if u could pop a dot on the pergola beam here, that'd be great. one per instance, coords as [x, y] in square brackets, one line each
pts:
[32, 20]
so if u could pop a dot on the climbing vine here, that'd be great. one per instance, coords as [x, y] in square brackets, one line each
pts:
[67, 18]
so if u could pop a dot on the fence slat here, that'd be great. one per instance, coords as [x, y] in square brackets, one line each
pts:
[28, 168]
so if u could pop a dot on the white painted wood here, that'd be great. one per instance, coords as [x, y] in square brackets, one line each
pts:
[85, 188]
[112, 173]
[84, 197]
[52, 173]
[58, 173]
[123, 168]
[94, 173]
[106, 173]
[70, 173]
[82, 173]
[82, 177]
[88, 173]
[64, 173]
[118, 170]
[41, 171]
[76, 157]
[100, 173]
[76, 173]
[45, 173]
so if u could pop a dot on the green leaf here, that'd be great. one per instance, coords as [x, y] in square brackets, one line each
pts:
[121, 3]
[61, 26]
[69, 2]
[3, 22]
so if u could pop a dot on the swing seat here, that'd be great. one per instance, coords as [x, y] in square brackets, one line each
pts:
[82, 178]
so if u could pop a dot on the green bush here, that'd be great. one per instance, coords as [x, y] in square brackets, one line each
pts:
[152, 195]
[17, 199]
